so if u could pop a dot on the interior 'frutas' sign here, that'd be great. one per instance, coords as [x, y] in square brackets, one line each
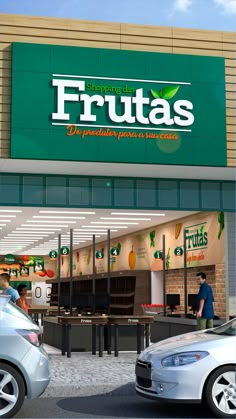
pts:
[103, 105]
[196, 237]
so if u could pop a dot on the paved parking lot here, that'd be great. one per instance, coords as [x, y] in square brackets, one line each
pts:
[85, 375]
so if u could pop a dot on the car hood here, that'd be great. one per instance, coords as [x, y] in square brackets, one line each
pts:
[189, 341]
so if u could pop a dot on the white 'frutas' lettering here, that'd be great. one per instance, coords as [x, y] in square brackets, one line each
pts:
[137, 108]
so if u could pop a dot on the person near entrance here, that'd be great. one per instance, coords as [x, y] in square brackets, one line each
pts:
[205, 313]
[22, 291]
[8, 290]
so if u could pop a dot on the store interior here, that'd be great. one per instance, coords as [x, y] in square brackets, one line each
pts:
[123, 276]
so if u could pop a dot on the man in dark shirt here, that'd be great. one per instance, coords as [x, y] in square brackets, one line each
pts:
[205, 313]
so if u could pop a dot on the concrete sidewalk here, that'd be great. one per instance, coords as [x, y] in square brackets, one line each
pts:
[85, 374]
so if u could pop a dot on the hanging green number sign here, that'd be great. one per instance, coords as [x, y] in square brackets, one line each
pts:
[115, 251]
[178, 251]
[158, 255]
[100, 254]
[53, 254]
[65, 251]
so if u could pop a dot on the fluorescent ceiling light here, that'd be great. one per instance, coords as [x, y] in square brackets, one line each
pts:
[108, 227]
[52, 217]
[125, 219]
[16, 242]
[87, 233]
[83, 237]
[52, 221]
[36, 229]
[45, 225]
[32, 233]
[2, 225]
[8, 216]
[16, 239]
[6, 221]
[91, 230]
[6, 210]
[68, 212]
[27, 237]
[139, 213]
[111, 222]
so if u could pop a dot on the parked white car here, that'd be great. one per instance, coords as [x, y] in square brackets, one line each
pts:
[24, 365]
[194, 367]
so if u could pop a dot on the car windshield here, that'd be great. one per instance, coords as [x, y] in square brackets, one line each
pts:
[227, 329]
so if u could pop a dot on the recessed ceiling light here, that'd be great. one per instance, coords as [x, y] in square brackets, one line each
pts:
[111, 223]
[52, 221]
[108, 227]
[139, 213]
[68, 212]
[125, 219]
[6, 210]
[52, 217]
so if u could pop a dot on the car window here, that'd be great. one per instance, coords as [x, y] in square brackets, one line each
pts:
[228, 329]
[13, 317]
[15, 311]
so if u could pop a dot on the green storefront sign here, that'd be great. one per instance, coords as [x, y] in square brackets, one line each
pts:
[85, 104]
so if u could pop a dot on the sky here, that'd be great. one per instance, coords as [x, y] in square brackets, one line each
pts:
[199, 14]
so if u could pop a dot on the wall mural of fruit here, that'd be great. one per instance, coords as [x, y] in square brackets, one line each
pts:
[89, 256]
[132, 258]
[168, 259]
[221, 221]
[152, 238]
[112, 264]
[178, 228]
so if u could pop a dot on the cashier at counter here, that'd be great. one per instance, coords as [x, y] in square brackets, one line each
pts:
[205, 313]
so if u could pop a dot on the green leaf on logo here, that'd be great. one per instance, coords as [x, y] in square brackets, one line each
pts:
[169, 92]
[202, 229]
[155, 94]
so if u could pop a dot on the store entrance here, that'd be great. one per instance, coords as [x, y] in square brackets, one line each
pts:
[114, 262]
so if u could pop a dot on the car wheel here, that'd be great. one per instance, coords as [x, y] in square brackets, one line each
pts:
[220, 392]
[12, 391]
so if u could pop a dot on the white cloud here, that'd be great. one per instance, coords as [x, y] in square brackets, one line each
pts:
[182, 5]
[229, 6]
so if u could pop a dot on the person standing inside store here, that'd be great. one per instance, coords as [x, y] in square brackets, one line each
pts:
[8, 290]
[22, 291]
[205, 313]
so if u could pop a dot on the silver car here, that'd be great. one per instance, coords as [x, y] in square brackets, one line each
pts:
[195, 367]
[24, 366]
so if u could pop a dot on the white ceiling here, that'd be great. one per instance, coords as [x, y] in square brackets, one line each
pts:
[34, 231]
[117, 169]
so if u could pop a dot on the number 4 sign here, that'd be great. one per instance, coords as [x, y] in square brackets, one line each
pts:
[115, 251]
